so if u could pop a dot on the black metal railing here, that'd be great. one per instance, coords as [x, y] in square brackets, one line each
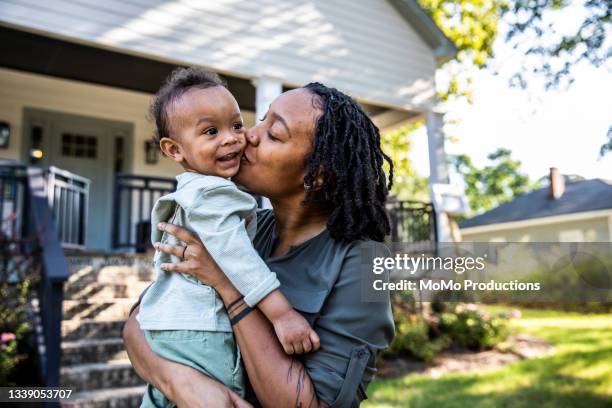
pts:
[134, 198]
[34, 202]
[412, 222]
[67, 196]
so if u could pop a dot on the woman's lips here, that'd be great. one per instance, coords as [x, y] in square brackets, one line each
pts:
[245, 159]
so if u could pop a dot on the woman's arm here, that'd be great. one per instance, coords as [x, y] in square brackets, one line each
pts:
[184, 385]
[278, 379]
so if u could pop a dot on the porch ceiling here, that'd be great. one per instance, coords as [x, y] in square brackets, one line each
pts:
[49, 56]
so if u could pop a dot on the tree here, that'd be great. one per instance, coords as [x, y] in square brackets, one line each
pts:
[561, 51]
[407, 184]
[606, 147]
[495, 183]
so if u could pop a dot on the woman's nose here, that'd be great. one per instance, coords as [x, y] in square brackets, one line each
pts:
[252, 136]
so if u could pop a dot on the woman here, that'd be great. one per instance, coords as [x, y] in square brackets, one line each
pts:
[317, 157]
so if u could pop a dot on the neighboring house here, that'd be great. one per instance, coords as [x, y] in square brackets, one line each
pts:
[578, 211]
[76, 79]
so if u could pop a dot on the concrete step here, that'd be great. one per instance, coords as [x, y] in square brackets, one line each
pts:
[91, 329]
[92, 351]
[95, 376]
[104, 291]
[109, 267]
[111, 309]
[125, 397]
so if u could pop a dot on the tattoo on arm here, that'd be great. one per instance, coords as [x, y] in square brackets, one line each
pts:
[299, 385]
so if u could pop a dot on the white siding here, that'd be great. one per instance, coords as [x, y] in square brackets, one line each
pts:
[19, 90]
[363, 47]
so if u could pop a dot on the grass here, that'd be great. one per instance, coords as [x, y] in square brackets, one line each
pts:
[578, 374]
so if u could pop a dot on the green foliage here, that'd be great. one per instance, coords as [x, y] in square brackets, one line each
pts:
[407, 185]
[606, 147]
[562, 51]
[13, 320]
[577, 375]
[495, 183]
[472, 329]
[423, 337]
[472, 27]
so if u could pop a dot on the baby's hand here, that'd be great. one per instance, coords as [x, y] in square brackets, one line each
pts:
[295, 334]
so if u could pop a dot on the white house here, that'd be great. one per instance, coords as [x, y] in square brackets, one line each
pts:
[76, 78]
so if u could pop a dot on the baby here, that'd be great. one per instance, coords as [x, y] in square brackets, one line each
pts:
[200, 127]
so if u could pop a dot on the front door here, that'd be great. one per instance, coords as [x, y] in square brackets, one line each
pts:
[87, 147]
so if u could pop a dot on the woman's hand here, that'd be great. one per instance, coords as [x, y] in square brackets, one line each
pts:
[197, 262]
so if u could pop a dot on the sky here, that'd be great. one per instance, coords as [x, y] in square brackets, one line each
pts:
[557, 128]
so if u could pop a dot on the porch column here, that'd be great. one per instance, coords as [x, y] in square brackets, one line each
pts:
[438, 168]
[267, 89]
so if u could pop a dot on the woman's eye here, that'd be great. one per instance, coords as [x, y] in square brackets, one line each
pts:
[275, 139]
[211, 131]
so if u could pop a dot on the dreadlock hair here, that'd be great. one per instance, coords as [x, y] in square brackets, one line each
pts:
[177, 84]
[347, 150]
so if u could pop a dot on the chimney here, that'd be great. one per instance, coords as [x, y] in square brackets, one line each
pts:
[557, 183]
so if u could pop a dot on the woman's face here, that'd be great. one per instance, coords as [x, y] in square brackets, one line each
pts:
[274, 161]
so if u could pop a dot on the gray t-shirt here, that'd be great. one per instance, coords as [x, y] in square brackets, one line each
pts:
[322, 280]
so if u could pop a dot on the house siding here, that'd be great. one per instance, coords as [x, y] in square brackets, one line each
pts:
[592, 230]
[19, 90]
[363, 47]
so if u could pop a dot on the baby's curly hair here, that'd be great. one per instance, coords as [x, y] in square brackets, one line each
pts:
[347, 149]
[178, 82]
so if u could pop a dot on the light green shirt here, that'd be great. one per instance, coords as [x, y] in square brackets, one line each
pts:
[217, 211]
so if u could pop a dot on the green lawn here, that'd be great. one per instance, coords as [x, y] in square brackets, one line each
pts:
[579, 374]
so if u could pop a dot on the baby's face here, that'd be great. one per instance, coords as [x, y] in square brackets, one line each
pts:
[207, 125]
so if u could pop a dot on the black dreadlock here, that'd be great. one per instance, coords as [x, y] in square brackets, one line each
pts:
[347, 149]
[178, 82]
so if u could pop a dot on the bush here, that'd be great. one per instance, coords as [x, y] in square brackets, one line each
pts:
[412, 339]
[13, 316]
[472, 329]
[423, 337]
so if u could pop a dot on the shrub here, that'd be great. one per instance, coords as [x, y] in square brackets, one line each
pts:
[13, 315]
[424, 336]
[472, 329]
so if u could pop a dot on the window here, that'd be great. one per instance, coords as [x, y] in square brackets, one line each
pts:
[75, 145]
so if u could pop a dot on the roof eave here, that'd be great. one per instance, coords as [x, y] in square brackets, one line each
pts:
[443, 48]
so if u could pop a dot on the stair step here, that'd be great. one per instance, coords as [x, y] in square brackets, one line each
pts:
[109, 267]
[111, 309]
[125, 397]
[103, 291]
[92, 351]
[91, 329]
[96, 376]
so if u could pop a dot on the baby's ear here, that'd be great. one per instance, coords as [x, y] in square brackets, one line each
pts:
[171, 148]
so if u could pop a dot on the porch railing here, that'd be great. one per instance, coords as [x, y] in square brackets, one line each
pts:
[34, 203]
[412, 222]
[134, 198]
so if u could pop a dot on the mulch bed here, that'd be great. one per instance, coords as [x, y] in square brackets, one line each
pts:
[518, 347]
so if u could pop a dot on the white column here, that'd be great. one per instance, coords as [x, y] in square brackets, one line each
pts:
[438, 168]
[267, 90]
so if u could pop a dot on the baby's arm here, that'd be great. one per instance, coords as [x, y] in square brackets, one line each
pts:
[293, 331]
